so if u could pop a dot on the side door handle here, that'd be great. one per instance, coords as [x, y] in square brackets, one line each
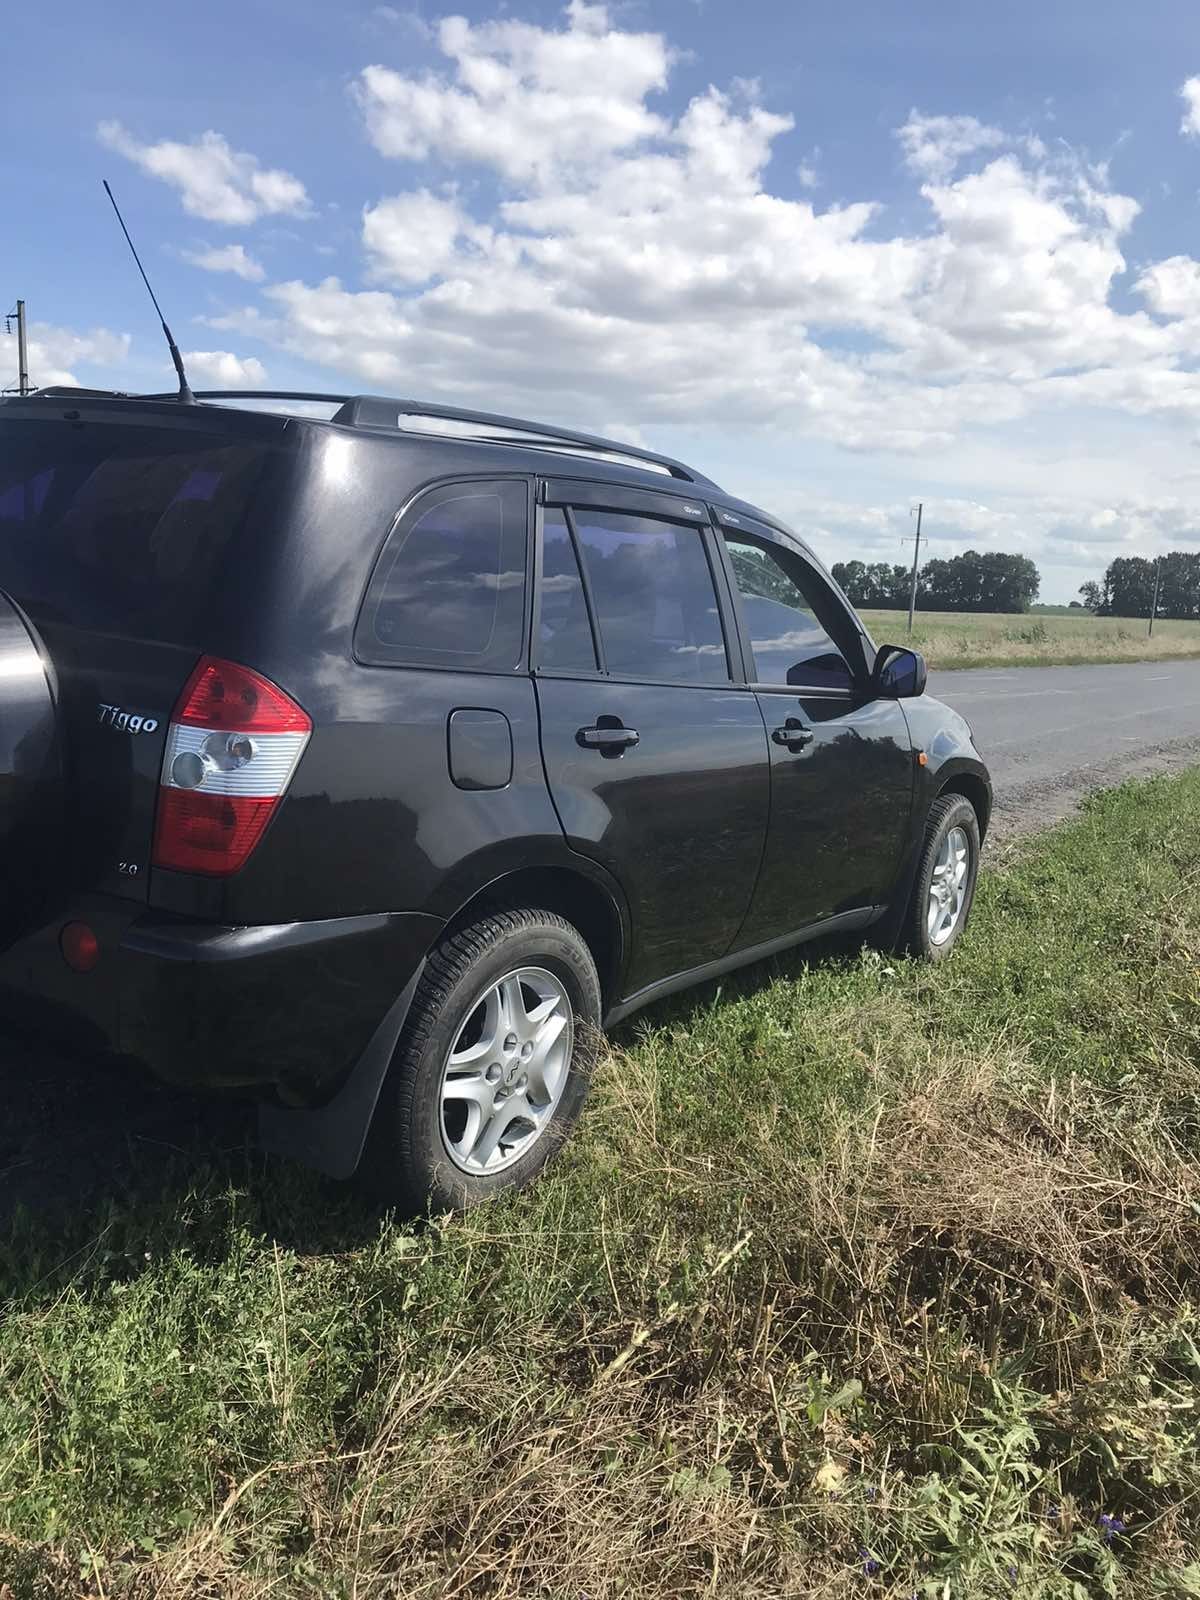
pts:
[793, 735]
[609, 740]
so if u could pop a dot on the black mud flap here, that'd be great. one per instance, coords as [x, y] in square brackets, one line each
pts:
[331, 1138]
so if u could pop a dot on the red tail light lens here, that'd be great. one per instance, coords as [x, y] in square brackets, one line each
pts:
[233, 744]
[208, 833]
[220, 695]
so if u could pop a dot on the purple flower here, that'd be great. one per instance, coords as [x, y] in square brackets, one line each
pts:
[870, 1565]
[871, 1491]
[1111, 1526]
[1012, 1572]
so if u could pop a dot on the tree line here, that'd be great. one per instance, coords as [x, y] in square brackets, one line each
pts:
[1127, 589]
[991, 581]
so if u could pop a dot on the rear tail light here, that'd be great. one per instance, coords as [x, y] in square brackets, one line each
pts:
[232, 747]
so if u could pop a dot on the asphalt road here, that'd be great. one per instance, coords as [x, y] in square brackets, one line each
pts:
[1049, 734]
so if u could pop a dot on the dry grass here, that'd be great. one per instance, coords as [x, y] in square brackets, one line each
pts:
[952, 639]
[867, 1281]
[1024, 1289]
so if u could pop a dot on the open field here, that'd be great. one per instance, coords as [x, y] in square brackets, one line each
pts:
[951, 639]
[862, 1278]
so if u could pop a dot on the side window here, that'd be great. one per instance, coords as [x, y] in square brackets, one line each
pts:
[449, 588]
[565, 641]
[656, 607]
[789, 642]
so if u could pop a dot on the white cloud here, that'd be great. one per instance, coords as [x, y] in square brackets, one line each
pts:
[228, 258]
[569, 249]
[223, 370]
[214, 181]
[1190, 95]
[645, 267]
[808, 173]
[1172, 287]
[934, 146]
[56, 354]
[412, 238]
[1061, 533]
[521, 99]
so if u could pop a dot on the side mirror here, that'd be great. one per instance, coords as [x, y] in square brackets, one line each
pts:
[899, 674]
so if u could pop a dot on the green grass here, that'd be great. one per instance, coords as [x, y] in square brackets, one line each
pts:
[853, 1261]
[1044, 637]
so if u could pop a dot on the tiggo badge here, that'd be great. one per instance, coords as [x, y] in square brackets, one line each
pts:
[125, 721]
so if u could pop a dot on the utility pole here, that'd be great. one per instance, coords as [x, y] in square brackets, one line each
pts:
[912, 593]
[18, 316]
[1154, 602]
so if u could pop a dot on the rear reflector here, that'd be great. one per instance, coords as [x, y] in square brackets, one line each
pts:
[233, 744]
[80, 946]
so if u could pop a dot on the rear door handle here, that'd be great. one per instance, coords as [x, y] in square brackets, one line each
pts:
[609, 741]
[794, 735]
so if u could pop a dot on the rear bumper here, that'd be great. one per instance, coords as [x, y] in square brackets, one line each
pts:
[288, 1008]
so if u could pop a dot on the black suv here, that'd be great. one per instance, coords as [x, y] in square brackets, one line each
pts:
[373, 764]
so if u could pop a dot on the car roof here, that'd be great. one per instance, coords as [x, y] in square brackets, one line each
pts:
[490, 440]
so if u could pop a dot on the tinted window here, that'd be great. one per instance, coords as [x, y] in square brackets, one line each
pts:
[564, 632]
[119, 527]
[789, 643]
[654, 597]
[449, 589]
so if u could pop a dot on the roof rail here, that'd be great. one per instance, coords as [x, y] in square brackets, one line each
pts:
[259, 394]
[382, 411]
[378, 411]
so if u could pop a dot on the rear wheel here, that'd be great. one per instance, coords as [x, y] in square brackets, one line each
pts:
[494, 1064]
[944, 888]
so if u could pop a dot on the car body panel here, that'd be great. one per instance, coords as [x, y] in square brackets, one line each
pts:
[680, 818]
[839, 811]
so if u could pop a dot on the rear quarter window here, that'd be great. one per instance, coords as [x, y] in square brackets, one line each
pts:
[449, 589]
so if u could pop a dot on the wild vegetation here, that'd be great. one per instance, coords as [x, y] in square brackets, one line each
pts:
[955, 639]
[861, 1278]
[991, 581]
[1132, 584]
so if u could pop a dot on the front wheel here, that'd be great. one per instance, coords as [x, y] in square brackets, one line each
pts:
[494, 1064]
[945, 882]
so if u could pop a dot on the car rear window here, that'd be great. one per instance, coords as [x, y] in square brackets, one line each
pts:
[120, 527]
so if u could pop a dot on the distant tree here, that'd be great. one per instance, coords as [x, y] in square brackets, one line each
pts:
[992, 581]
[1074, 605]
[1179, 586]
[878, 586]
[1128, 587]
[851, 575]
[757, 575]
[970, 582]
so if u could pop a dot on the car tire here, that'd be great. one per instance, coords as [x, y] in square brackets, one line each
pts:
[944, 886]
[484, 1088]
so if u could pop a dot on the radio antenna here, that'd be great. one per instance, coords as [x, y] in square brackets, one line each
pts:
[186, 396]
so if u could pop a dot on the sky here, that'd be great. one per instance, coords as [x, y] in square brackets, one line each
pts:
[841, 258]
